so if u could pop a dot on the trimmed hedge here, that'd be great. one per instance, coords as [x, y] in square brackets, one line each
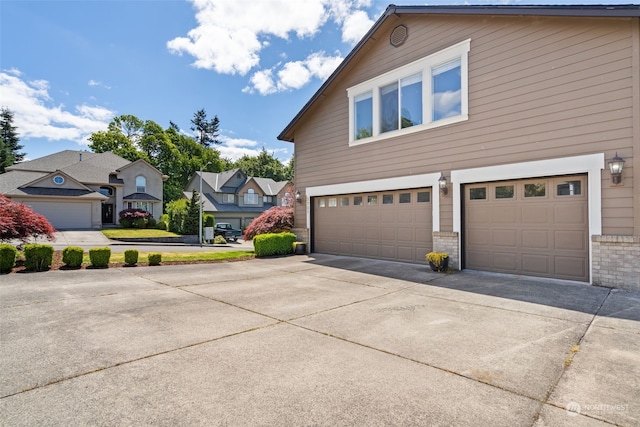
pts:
[8, 255]
[37, 257]
[155, 258]
[131, 256]
[100, 257]
[274, 244]
[72, 256]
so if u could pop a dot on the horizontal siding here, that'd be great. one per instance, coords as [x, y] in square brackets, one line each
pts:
[539, 88]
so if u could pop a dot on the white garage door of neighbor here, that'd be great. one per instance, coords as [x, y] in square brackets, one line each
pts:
[393, 225]
[65, 215]
[536, 227]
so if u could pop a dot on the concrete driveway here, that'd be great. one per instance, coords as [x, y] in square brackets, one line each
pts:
[319, 340]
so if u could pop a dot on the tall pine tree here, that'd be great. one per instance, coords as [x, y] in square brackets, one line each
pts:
[9, 141]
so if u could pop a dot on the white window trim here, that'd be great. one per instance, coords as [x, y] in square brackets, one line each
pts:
[387, 184]
[591, 164]
[424, 66]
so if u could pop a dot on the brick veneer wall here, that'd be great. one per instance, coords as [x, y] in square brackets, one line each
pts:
[302, 235]
[616, 261]
[447, 241]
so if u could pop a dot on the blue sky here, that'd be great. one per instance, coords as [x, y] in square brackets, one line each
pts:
[68, 67]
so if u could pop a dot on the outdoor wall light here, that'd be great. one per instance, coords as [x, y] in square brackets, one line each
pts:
[615, 166]
[442, 182]
[298, 197]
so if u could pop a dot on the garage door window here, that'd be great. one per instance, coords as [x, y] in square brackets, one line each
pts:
[372, 200]
[387, 199]
[424, 197]
[539, 189]
[357, 201]
[568, 188]
[504, 192]
[333, 202]
[405, 197]
[321, 203]
[479, 193]
[344, 201]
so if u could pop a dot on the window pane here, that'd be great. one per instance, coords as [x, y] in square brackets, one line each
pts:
[477, 193]
[389, 107]
[141, 184]
[372, 200]
[364, 116]
[535, 190]
[569, 188]
[411, 101]
[447, 90]
[321, 203]
[424, 197]
[333, 202]
[357, 201]
[405, 197]
[504, 192]
[387, 199]
[344, 201]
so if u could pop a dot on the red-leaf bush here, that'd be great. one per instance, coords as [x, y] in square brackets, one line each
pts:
[137, 218]
[277, 219]
[18, 221]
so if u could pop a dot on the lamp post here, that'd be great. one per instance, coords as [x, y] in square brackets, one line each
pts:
[201, 202]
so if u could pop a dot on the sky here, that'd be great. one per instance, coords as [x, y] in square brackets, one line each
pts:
[67, 68]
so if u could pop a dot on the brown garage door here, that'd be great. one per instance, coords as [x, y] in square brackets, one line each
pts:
[394, 225]
[533, 227]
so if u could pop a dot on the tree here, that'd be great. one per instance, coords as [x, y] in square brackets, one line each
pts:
[264, 165]
[18, 221]
[207, 130]
[289, 170]
[192, 219]
[9, 141]
[278, 219]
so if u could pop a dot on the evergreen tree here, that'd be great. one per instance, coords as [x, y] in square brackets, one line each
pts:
[9, 141]
[193, 214]
[207, 130]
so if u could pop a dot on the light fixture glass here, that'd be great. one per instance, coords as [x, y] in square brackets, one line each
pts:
[442, 182]
[615, 167]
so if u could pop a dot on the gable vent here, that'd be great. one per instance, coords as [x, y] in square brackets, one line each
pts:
[398, 35]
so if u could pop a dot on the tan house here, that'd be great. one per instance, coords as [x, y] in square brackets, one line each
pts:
[236, 198]
[81, 189]
[486, 132]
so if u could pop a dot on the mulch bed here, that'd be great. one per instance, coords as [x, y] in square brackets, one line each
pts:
[57, 264]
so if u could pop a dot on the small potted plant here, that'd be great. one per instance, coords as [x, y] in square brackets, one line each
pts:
[438, 261]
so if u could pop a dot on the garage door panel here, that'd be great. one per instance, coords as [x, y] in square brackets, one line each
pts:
[570, 240]
[505, 237]
[535, 239]
[397, 231]
[547, 235]
[65, 215]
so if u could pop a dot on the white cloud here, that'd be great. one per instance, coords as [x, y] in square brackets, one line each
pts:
[97, 83]
[294, 74]
[231, 34]
[35, 116]
[234, 148]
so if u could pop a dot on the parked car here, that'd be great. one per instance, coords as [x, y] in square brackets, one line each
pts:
[227, 231]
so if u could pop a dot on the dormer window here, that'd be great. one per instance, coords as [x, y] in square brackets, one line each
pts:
[141, 184]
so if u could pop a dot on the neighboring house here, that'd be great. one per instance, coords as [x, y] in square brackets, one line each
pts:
[81, 189]
[236, 198]
[519, 108]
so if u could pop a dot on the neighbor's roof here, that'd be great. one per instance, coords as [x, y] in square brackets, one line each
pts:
[269, 186]
[601, 11]
[218, 180]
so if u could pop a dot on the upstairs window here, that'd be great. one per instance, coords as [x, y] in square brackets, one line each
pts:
[228, 198]
[141, 184]
[427, 93]
[250, 197]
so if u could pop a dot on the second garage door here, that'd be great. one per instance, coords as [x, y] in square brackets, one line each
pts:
[534, 227]
[393, 225]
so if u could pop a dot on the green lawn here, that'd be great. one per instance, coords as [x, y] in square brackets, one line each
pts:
[181, 256]
[120, 233]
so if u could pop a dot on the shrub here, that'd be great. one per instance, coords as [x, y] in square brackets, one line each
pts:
[208, 220]
[140, 223]
[133, 214]
[190, 223]
[155, 259]
[19, 221]
[177, 212]
[277, 219]
[161, 225]
[8, 255]
[126, 223]
[100, 257]
[37, 257]
[274, 244]
[131, 256]
[220, 240]
[72, 256]
[152, 223]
